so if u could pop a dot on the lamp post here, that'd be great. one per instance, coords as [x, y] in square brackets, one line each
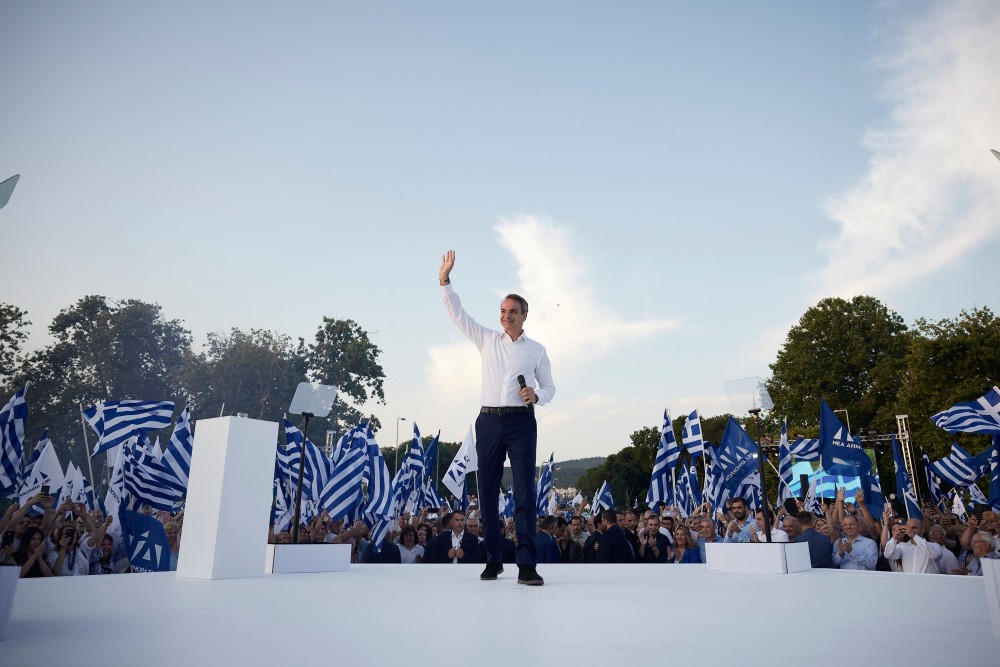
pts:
[398, 419]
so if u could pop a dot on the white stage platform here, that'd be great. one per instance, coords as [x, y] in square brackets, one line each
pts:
[586, 614]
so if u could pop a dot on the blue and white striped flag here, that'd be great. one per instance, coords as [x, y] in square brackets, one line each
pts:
[979, 416]
[507, 504]
[544, 488]
[660, 490]
[668, 440]
[960, 468]
[379, 503]
[146, 480]
[177, 457]
[713, 491]
[602, 499]
[117, 421]
[342, 492]
[12, 420]
[957, 506]
[805, 449]
[784, 465]
[691, 436]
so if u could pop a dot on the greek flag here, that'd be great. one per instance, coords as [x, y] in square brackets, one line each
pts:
[691, 436]
[933, 488]
[812, 502]
[146, 480]
[904, 485]
[465, 462]
[377, 479]
[602, 499]
[430, 458]
[668, 441]
[660, 490]
[544, 488]
[805, 449]
[784, 465]
[737, 456]
[979, 416]
[117, 421]
[713, 491]
[961, 468]
[840, 452]
[177, 458]
[342, 493]
[12, 419]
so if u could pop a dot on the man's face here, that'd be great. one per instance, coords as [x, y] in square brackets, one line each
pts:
[850, 527]
[669, 523]
[621, 521]
[458, 522]
[791, 526]
[936, 535]
[576, 526]
[652, 525]
[630, 521]
[980, 546]
[914, 527]
[739, 510]
[512, 317]
[472, 525]
[760, 521]
[706, 530]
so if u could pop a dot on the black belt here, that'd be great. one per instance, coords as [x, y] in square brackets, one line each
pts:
[506, 410]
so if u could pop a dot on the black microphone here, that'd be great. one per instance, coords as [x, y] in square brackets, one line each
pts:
[520, 381]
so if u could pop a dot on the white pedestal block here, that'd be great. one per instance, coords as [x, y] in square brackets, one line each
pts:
[8, 584]
[991, 577]
[228, 499]
[289, 558]
[774, 557]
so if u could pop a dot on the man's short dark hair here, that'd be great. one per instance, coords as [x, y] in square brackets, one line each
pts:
[740, 500]
[610, 516]
[805, 518]
[520, 299]
[548, 522]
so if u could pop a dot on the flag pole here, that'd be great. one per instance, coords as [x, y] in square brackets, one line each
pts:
[780, 478]
[86, 445]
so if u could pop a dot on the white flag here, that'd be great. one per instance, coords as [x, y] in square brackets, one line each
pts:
[465, 462]
[46, 472]
[113, 498]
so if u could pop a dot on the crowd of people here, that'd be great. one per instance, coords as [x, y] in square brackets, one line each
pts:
[846, 537]
[67, 540]
[46, 540]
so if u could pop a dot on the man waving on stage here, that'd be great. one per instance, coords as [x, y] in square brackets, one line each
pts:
[517, 376]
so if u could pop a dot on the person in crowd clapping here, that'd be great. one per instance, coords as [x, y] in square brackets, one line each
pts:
[31, 554]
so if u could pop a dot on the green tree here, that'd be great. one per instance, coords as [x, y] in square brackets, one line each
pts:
[103, 350]
[848, 352]
[344, 356]
[947, 362]
[12, 337]
[254, 372]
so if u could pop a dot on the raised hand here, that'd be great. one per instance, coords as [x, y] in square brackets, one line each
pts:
[447, 264]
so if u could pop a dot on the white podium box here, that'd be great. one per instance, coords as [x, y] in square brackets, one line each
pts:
[774, 557]
[290, 558]
[228, 499]
[991, 577]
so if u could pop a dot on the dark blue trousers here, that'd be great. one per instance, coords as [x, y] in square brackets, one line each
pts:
[497, 437]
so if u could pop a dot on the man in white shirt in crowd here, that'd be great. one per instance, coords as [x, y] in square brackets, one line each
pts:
[917, 554]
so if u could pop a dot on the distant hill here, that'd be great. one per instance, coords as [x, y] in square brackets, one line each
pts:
[565, 473]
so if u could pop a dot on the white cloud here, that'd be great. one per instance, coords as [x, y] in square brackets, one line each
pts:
[575, 326]
[932, 189]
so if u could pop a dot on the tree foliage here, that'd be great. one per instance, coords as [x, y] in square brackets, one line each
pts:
[947, 362]
[848, 352]
[12, 337]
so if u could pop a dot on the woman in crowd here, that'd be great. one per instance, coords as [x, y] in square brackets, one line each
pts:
[685, 550]
[67, 558]
[105, 560]
[409, 550]
[423, 534]
[173, 532]
[31, 556]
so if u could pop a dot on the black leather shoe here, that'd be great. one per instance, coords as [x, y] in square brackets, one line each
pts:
[491, 571]
[527, 575]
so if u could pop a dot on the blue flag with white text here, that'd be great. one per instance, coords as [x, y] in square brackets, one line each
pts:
[146, 542]
[737, 456]
[840, 453]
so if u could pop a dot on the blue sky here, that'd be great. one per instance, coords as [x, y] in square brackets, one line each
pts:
[671, 185]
